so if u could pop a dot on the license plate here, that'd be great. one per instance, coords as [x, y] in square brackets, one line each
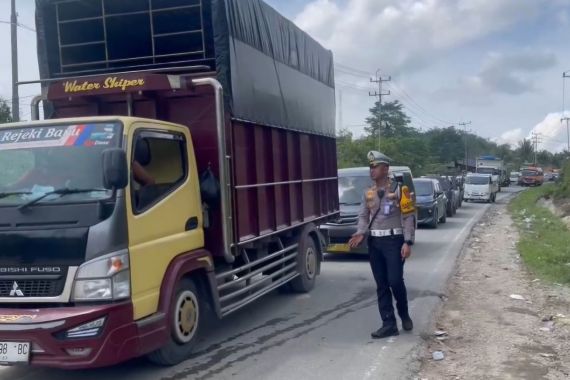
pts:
[14, 352]
[338, 248]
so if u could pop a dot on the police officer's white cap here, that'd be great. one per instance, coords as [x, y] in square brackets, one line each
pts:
[376, 158]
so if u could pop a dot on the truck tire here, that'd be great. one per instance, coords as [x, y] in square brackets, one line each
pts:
[187, 319]
[307, 264]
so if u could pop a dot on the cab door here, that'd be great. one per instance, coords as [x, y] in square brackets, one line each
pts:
[164, 211]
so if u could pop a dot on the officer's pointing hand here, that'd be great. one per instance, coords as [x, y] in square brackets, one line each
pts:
[355, 240]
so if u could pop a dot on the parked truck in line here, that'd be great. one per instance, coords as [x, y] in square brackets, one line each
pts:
[531, 176]
[493, 166]
[186, 159]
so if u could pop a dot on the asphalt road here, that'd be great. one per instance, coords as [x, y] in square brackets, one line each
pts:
[321, 335]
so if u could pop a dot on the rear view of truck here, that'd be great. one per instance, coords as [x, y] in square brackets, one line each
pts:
[187, 157]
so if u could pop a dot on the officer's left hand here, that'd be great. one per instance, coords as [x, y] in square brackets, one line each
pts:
[406, 251]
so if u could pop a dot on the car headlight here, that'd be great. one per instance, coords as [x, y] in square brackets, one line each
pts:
[104, 278]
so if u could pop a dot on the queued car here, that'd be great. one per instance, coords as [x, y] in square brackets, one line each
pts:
[480, 187]
[515, 177]
[450, 193]
[352, 183]
[431, 202]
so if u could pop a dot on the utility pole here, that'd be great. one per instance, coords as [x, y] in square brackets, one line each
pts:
[340, 121]
[535, 140]
[379, 80]
[14, 35]
[464, 125]
[567, 131]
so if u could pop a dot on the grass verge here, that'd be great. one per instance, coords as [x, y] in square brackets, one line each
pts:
[544, 239]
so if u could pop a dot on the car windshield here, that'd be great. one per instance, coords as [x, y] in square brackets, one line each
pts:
[351, 189]
[529, 173]
[35, 160]
[423, 188]
[477, 180]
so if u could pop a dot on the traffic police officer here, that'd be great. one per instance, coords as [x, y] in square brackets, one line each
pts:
[387, 216]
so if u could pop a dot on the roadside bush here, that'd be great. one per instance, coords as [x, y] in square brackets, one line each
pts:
[562, 190]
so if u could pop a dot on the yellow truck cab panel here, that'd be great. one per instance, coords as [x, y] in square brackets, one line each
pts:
[164, 216]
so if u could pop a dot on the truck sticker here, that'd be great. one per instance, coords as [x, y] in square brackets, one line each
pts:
[57, 136]
[107, 83]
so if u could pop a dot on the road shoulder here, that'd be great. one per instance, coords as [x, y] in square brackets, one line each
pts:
[499, 322]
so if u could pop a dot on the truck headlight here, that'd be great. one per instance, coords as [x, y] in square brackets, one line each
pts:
[104, 278]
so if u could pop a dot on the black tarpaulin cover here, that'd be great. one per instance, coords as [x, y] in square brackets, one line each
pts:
[273, 73]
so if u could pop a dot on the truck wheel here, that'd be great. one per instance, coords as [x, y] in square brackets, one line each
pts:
[186, 321]
[443, 218]
[307, 264]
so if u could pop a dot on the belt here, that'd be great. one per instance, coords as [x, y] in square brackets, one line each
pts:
[390, 232]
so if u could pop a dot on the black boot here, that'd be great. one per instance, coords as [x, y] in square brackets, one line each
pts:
[385, 331]
[407, 323]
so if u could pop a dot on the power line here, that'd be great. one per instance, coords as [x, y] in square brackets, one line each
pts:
[23, 26]
[363, 74]
[353, 70]
[419, 106]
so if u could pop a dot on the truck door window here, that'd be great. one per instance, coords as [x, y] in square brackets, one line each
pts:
[158, 167]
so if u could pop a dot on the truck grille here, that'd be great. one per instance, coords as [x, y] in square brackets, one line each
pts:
[31, 288]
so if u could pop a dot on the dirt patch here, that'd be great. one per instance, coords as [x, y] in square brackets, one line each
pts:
[499, 322]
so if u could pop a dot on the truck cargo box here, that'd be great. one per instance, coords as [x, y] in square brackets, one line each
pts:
[140, 57]
[272, 72]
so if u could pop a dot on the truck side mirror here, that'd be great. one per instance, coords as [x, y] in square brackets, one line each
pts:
[115, 169]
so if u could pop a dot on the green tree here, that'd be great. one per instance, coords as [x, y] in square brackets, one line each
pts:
[5, 113]
[525, 151]
[390, 119]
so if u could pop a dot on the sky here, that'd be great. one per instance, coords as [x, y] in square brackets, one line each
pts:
[495, 63]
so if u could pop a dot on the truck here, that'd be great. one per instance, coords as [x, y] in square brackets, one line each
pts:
[531, 176]
[494, 166]
[185, 160]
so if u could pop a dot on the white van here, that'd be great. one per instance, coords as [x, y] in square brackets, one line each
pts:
[480, 187]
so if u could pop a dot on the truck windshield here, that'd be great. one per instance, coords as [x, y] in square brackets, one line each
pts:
[35, 160]
[351, 189]
[477, 180]
[529, 173]
[488, 171]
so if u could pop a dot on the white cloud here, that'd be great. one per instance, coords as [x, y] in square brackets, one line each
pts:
[552, 132]
[407, 34]
[511, 137]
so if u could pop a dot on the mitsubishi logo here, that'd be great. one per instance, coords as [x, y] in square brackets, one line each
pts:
[16, 290]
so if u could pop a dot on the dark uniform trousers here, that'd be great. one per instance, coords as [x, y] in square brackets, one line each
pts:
[388, 270]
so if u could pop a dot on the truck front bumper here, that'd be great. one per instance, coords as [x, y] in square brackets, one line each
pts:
[117, 340]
